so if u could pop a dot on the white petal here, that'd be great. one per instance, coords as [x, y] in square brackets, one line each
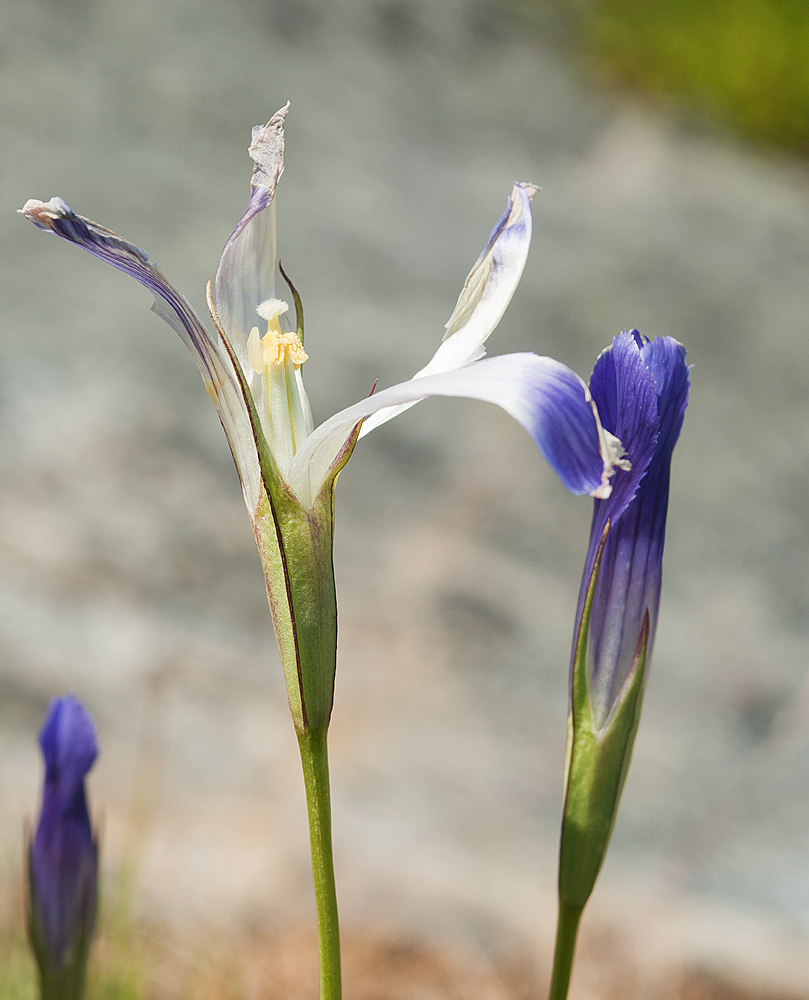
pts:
[486, 293]
[246, 274]
[546, 397]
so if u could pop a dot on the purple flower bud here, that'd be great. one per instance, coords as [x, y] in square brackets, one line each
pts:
[63, 856]
[641, 390]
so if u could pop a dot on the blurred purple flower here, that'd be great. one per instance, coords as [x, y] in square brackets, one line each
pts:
[63, 856]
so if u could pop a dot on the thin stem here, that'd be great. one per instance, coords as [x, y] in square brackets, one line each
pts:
[315, 761]
[567, 930]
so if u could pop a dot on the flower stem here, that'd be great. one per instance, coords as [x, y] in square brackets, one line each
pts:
[315, 761]
[567, 930]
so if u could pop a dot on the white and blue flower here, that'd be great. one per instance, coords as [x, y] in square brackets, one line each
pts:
[251, 367]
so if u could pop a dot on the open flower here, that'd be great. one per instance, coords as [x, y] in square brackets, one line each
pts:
[251, 368]
[63, 856]
[641, 389]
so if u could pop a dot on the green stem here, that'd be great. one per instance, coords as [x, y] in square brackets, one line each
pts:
[567, 930]
[315, 761]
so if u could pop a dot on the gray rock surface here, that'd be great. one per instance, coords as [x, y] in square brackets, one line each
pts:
[127, 568]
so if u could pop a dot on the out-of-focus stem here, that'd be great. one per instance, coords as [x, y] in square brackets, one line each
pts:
[567, 930]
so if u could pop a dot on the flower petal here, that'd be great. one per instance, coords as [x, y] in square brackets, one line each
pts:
[68, 743]
[486, 292]
[665, 359]
[624, 391]
[63, 856]
[627, 592]
[212, 357]
[547, 398]
[246, 273]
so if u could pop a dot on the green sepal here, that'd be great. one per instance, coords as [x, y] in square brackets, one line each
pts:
[597, 762]
[66, 981]
[295, 545]
[298, 303]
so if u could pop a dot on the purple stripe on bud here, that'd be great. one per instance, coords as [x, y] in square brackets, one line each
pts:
[641, 390]
[63, 856]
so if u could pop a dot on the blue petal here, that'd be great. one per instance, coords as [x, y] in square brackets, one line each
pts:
[213, 359]
[665, 359]
[63, 856]
[547, 398]
[68, 742]
[624, 392]
[628, 586]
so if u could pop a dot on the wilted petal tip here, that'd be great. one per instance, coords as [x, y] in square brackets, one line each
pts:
[267, 151]
[42, 213]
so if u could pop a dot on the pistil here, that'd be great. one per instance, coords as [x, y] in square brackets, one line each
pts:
[277, 358]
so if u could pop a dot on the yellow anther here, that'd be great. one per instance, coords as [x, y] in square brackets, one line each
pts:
[273, 349]
[294, 349]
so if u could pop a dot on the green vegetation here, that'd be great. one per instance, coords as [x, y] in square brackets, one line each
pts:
[17, 975]
[741, 62]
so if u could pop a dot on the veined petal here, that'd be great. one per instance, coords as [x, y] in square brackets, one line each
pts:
[486, 293]
[547, 398]
[625, 393]
[665, 359]
[213, 360]
[246, 273]
[642, 391]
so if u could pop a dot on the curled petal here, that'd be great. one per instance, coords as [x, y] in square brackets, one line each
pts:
[486, 293]
[547, 398]
[641, 388]
[625, 393]
[246, 273]
[213, 360]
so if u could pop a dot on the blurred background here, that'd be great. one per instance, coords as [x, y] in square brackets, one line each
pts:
[670, 143]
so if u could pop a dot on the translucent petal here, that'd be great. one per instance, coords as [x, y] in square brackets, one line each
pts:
[486, 293]
[246, 273]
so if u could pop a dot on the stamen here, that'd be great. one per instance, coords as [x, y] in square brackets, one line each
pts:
[255, 351]
[279, 346]
[273, 348]
[295, 352]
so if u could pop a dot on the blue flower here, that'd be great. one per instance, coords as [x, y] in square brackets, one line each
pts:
[641, 390]
[63, 856]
